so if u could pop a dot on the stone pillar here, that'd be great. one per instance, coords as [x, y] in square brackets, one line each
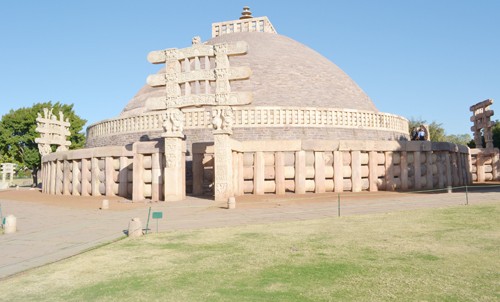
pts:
[59, 177]
[174, 173]
[241, 179]
[440, 171]
[85, 177]
[417, 170]
[123, 177]
[74, 178]
[338, 172]
[461, 169]
[404, 171]
[156, 189]
[53, 177]
[43, 180]
[236, 172]
[356, 171]
[109, 171]
[279, 164]
[449, 181]
[300, 172]
[258, 174]
[66, 178]
[138, 177]
[319, 172]
[455, 169]
[197, 167]
[389, 172]
[223, 166]
[428, 174]
[94, 185]
[372, 171]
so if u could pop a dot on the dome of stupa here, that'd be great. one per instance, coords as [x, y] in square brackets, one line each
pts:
[284, 73]
[276, 87]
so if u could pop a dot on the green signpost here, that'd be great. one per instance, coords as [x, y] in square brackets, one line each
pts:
[157, 216]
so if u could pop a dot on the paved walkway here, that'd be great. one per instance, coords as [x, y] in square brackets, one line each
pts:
[48, 233]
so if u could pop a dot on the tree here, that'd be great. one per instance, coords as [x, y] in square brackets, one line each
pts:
[459, 139]
[496, 134]
[17, 134]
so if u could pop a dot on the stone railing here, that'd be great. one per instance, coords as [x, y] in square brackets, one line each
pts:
[485, 164]
[106, 171]
[200, 118]
[278, 167]
[260, 24]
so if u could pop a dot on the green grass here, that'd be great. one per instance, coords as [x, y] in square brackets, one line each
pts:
[450, 254]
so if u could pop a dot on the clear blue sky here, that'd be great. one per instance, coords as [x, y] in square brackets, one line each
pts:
[428, 59]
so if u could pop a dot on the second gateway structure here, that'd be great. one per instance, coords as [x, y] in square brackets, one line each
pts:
[251, 112]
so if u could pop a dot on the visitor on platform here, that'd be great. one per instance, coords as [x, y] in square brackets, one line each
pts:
[421, 134]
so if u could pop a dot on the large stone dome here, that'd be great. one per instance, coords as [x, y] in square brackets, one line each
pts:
[284, 73]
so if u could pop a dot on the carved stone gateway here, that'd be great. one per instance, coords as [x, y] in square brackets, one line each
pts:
[481, 117]
[8, 169]
[52, 131]
[198, 76]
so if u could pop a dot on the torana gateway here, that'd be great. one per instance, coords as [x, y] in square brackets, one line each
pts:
[250, 112]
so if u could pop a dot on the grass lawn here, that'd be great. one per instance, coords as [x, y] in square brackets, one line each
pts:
[450, 254]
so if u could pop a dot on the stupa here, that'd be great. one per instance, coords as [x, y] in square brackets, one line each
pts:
[250, 112]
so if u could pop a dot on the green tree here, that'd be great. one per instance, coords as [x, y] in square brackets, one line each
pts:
[459, 139]
[496, 134]
[17, 134]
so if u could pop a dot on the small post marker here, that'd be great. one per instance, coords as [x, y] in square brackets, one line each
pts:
[231, 203]
[10, 225]
[135, 227]
[450, 189]
[157, 216]
[105, 204]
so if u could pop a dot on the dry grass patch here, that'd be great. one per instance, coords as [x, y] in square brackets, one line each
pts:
[447, 255]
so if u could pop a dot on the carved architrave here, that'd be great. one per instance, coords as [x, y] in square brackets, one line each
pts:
[222, 73]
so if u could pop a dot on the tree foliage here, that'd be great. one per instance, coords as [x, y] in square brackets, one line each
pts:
[496, 134]
[17, 134]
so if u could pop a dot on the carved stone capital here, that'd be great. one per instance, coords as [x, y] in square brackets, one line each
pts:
[173, 123]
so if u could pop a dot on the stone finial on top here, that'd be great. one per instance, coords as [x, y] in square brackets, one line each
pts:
[196, 40]
[246, 13]
[246, 23]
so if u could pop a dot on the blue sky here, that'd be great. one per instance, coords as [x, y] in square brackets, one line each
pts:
[426, 59]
